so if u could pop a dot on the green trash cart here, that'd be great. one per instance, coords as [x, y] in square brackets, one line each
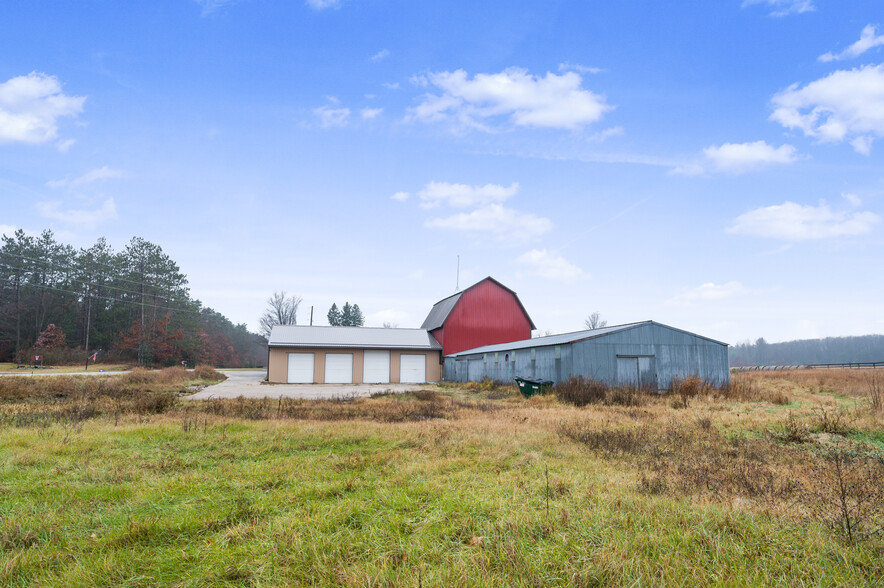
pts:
[530, 386]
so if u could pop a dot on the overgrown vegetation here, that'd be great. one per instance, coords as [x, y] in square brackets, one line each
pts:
[776, 479]
[44, 401]
[581, 391]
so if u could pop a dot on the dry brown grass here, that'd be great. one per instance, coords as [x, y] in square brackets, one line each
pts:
[843, 382]
[45, 400]
[580, 391]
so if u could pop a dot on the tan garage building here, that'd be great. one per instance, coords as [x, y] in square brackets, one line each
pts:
[352, 355]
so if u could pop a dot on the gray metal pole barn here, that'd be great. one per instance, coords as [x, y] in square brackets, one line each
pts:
[647, 354]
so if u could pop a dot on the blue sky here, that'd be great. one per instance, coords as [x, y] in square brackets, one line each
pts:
[716, 166]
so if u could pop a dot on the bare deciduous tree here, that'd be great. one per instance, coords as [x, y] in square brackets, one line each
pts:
[281, 310]
[594, 321]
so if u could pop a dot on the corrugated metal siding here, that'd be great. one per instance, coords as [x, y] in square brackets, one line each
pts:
[485, 314]
[663, 354]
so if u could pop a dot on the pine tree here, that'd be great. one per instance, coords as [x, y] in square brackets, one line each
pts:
[334, 316]
[348, 316]
[356, 318]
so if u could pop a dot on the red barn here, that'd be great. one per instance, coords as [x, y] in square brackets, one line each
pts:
[486, 313]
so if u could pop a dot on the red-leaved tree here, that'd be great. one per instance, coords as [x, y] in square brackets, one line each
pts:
[156, 343]
[52, 337]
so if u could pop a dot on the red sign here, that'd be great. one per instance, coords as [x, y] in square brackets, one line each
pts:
[36, 358]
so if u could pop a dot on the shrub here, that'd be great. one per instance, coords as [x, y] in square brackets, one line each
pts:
[686, 389]
[581, 391]
[849, 495]
[208, 373]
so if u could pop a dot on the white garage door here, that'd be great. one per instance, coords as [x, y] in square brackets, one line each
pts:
[413, 369]
[376, 367]
[300, 368]
[338, 368]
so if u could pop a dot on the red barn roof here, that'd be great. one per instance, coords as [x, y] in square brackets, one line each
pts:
[483, 314]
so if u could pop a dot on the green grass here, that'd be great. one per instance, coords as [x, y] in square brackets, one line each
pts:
[490, 494]
[274, 503]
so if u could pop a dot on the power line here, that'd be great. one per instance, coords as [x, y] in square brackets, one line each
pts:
[135, 302]
[95, 283]
[109, 271]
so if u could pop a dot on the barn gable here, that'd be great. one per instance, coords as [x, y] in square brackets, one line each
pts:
[483, 314]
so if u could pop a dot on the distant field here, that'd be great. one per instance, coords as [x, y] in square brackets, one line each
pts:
[452, 485]
[108, 367]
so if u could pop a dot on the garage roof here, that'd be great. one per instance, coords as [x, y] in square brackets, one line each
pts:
[358, 337]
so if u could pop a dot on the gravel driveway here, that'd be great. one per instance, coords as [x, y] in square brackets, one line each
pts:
[248, 385]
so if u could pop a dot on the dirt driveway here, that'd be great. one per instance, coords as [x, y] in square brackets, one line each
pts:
[248, 385]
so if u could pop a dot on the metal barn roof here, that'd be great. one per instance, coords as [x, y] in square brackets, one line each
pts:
[565, 338]
[440, 312]
[363, 337]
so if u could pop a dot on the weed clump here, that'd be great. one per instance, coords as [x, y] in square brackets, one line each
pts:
[849, 497]
[208, 373]
[686, 389]
[876, 392]
[580, 391]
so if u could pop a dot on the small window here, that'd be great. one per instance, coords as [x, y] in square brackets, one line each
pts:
[558, 352]
[506, 357]
[533, 354]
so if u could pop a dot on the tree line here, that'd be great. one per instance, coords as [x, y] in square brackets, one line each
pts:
[862, 349]
[133, 305]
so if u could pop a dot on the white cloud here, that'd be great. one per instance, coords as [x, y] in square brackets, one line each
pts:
[566, 66]
[102, 173]
[549, 265]
[30, 106]
[784, 7]
[553, 101]
[210, 6]
[846, 103]
[332, 117]
[603, 136]
[391, 85]
[400, 196]
[380, 55]
[794, 222]
[710, 292]
[852, 199]
[495, 218]
[867, 40]
[370, 113]
[738, 158]
[86, 219]
[862, 145]
[323, 4]
[64, 146]
[463, 195]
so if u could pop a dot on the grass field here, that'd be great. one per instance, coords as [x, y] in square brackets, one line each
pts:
[6, 367]
[776, 480]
